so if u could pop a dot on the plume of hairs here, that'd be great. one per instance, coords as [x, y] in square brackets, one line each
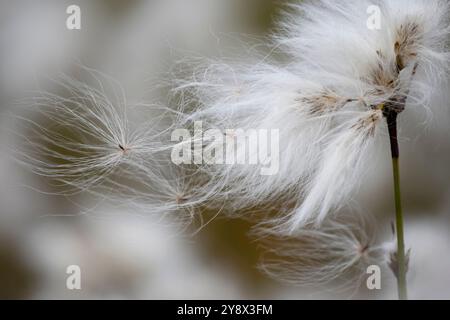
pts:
[327, 101]
[340, 80]
[336, 255]
[86, 138]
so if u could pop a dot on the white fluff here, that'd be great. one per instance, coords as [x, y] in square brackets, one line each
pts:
[79, 137]
[326, 100]
[338, 77]
[336, 255]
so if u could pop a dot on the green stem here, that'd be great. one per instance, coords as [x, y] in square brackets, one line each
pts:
[401, 258]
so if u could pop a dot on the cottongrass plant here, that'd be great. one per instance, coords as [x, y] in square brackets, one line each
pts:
[342, 83]
[337, 93]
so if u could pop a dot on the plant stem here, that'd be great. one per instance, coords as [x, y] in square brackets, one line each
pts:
[401, 258]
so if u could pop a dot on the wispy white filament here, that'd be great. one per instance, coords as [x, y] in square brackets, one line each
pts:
[336, 255]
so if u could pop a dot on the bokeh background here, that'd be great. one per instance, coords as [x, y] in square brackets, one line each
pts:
[124, 254]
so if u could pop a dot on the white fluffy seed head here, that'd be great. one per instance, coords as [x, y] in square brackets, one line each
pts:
[327, 100]
[335, 256]
[80, 136]
[86, 138]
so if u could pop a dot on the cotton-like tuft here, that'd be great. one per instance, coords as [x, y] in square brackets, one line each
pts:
[328, 99]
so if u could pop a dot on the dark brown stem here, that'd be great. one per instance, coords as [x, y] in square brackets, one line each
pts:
[391, 119]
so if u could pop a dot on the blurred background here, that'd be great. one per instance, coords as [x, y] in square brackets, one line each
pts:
[123, 254]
